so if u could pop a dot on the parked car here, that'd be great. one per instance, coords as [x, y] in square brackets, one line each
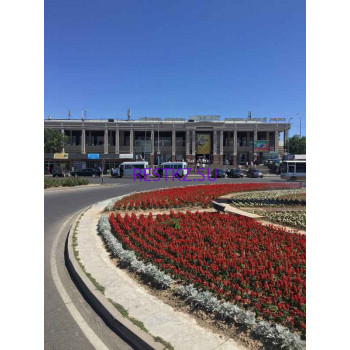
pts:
[87, 172]
[219, 173]
[60, 172]
[254, 173]
[237, 173]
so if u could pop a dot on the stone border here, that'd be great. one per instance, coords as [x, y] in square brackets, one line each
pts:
[119, 324]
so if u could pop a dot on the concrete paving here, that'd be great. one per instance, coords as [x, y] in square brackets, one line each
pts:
[178, 328]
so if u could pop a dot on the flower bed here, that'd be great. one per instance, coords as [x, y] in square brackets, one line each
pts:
[275, 198]
[259, 268]
[290, 218]
[191, 195]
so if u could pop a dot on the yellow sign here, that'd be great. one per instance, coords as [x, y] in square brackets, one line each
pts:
[60, 156]
[203, 143]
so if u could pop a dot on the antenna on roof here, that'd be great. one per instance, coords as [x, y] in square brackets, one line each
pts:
[129, 113]
[68, 113]
[83, 114]
[249, 115]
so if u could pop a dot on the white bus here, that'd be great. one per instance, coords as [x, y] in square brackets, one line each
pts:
[127, 168]
[293, 170]
[176, 166]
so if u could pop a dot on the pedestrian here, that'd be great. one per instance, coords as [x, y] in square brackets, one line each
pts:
[112, 172]
[99, 169]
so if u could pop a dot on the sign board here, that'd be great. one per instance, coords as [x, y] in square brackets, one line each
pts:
[126, 156]
[203, 143]
[200, 118]
[261, 146]
[277, 119]
[150, 119]
[60, 156]
[263, 120]
[93, 156]
[175, 119]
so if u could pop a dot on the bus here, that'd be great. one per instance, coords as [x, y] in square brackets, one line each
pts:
[176, 166]
[293, 170]
[127, 168]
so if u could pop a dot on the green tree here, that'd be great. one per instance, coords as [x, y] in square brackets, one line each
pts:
[54, 141]
[296, 145]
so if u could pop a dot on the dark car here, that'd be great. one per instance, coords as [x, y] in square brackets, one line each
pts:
[219, 173]
[60, 172]
[254, 173]
[87, 172]
[234, 173]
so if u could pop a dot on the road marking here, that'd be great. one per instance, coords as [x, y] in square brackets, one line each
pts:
[95, 341]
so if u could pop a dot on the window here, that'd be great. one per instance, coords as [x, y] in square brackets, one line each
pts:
[301, 167]
[139, 166]
[291, 167]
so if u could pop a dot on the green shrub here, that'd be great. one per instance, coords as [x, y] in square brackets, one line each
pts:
[66, 181]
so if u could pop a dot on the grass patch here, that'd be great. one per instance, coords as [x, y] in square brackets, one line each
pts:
[164, 342]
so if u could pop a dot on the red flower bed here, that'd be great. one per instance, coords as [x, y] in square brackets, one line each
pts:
[257, 267]
[191, 195]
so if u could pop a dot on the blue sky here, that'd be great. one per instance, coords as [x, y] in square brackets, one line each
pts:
[175, 58]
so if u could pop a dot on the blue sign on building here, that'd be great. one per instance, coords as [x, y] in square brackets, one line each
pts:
[93, 156]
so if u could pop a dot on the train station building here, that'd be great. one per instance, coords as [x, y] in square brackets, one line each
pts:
[156, 140]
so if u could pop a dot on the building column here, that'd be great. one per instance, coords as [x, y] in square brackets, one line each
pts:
[187, 142]
[221, 150]
[276, 140]
[62, 132]
[71, 137]
[215, 142]
[193, 142]
[285, 139]
[83, 141]
[131, 142]
[117, 141]
[152, 147]
[235, 147]
[173, 145]
[216, 156]
[90, 138]
[105, 142]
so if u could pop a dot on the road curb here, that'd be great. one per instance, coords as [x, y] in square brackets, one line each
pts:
[124, 328]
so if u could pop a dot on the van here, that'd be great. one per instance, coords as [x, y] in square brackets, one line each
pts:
[127, 169]
[180, 167]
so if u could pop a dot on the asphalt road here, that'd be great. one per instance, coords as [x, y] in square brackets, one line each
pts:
[61, 330]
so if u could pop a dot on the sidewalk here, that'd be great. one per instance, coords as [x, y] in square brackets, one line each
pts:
[176, 327]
